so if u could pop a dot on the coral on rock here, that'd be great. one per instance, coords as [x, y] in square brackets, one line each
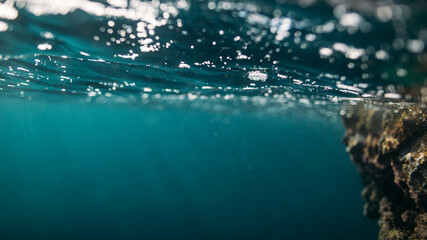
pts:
[388, 143]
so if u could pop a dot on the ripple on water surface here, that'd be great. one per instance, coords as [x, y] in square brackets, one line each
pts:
[301, 52]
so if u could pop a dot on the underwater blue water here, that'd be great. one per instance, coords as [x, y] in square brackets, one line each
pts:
[98, 172]
[129, 119]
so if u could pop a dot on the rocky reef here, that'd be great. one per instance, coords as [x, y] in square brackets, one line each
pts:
[388, 144]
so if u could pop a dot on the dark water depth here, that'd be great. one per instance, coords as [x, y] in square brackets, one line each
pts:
[90, 172]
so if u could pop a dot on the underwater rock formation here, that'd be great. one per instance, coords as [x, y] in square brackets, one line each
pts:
[388, 143]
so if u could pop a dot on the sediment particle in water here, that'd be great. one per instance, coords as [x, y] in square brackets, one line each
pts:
[388, 144]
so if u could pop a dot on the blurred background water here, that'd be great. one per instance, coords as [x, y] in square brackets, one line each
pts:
[73, 171]
[194, 119]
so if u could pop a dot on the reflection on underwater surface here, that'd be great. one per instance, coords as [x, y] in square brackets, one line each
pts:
[215, 50]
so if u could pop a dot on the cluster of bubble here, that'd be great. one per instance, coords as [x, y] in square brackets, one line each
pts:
[248, 53]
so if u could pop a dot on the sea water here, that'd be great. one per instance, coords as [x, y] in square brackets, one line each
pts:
[73, 171]
[192, 119]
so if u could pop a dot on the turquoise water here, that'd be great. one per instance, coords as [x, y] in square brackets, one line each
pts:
[98, 172]
[193, 119]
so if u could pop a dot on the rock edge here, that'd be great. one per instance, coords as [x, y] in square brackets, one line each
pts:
[388, 144]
